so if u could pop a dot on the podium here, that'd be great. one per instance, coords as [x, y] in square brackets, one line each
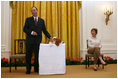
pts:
[52, 59]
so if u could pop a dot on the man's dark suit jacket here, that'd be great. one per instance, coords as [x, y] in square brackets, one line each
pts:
[30, 26]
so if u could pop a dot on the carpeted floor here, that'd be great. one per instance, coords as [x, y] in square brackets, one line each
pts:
[72, 71]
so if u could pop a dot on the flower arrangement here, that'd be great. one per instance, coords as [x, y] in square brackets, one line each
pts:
[4, 62]
[20, 62]
[73, 61]
[110, 60]
[69, 61]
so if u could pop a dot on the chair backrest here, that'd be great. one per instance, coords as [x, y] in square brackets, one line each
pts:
[87, 43]
[19, 46]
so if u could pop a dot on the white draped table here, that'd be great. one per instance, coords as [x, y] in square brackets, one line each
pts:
[51, 59]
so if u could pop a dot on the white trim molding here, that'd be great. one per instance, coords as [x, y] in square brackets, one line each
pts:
[6, 13]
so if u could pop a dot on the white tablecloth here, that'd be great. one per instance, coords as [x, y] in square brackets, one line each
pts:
[51, 59]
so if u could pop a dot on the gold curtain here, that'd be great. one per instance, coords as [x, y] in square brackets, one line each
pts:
[61, 20]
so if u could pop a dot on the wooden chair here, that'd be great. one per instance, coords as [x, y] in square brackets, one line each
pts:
[19, 51]
[91, 55]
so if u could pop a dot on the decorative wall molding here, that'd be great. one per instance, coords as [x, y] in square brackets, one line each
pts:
[3, 47]
[6, 13]
[5, 54]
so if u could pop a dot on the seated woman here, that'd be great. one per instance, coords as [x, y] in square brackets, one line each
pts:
[94, 45]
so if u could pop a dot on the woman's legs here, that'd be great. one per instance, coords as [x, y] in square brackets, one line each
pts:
[96, 56]
[91, 51]
[102, 61]
[97, 52]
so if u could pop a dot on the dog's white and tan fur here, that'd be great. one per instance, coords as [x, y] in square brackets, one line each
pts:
[56, 41]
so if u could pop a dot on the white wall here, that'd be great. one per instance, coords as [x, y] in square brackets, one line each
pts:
[93, 16]
[5, 29]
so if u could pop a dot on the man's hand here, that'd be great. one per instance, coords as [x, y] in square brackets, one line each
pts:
[35, 34]
[51, 39]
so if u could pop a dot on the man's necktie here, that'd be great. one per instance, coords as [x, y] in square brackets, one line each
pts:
[36, 22]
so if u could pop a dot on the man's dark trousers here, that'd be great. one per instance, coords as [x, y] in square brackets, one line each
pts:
[30, 48]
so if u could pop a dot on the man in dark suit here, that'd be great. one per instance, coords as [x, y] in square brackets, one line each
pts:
[33, 28]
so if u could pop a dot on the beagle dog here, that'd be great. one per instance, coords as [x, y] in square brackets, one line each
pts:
[56, 41]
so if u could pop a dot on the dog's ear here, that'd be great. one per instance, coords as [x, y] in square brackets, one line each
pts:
[58, 41]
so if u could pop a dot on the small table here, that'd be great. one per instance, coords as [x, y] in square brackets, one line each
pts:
[51, 59]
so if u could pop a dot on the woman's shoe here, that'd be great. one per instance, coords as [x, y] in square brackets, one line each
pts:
[95, 69]
[104, 64]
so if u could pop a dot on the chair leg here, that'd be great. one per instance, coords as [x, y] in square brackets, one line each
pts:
[10, 66]
[103, 65]
[15, 65]
[88, 61]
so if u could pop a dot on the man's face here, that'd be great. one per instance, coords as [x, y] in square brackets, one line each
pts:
[34, 11]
